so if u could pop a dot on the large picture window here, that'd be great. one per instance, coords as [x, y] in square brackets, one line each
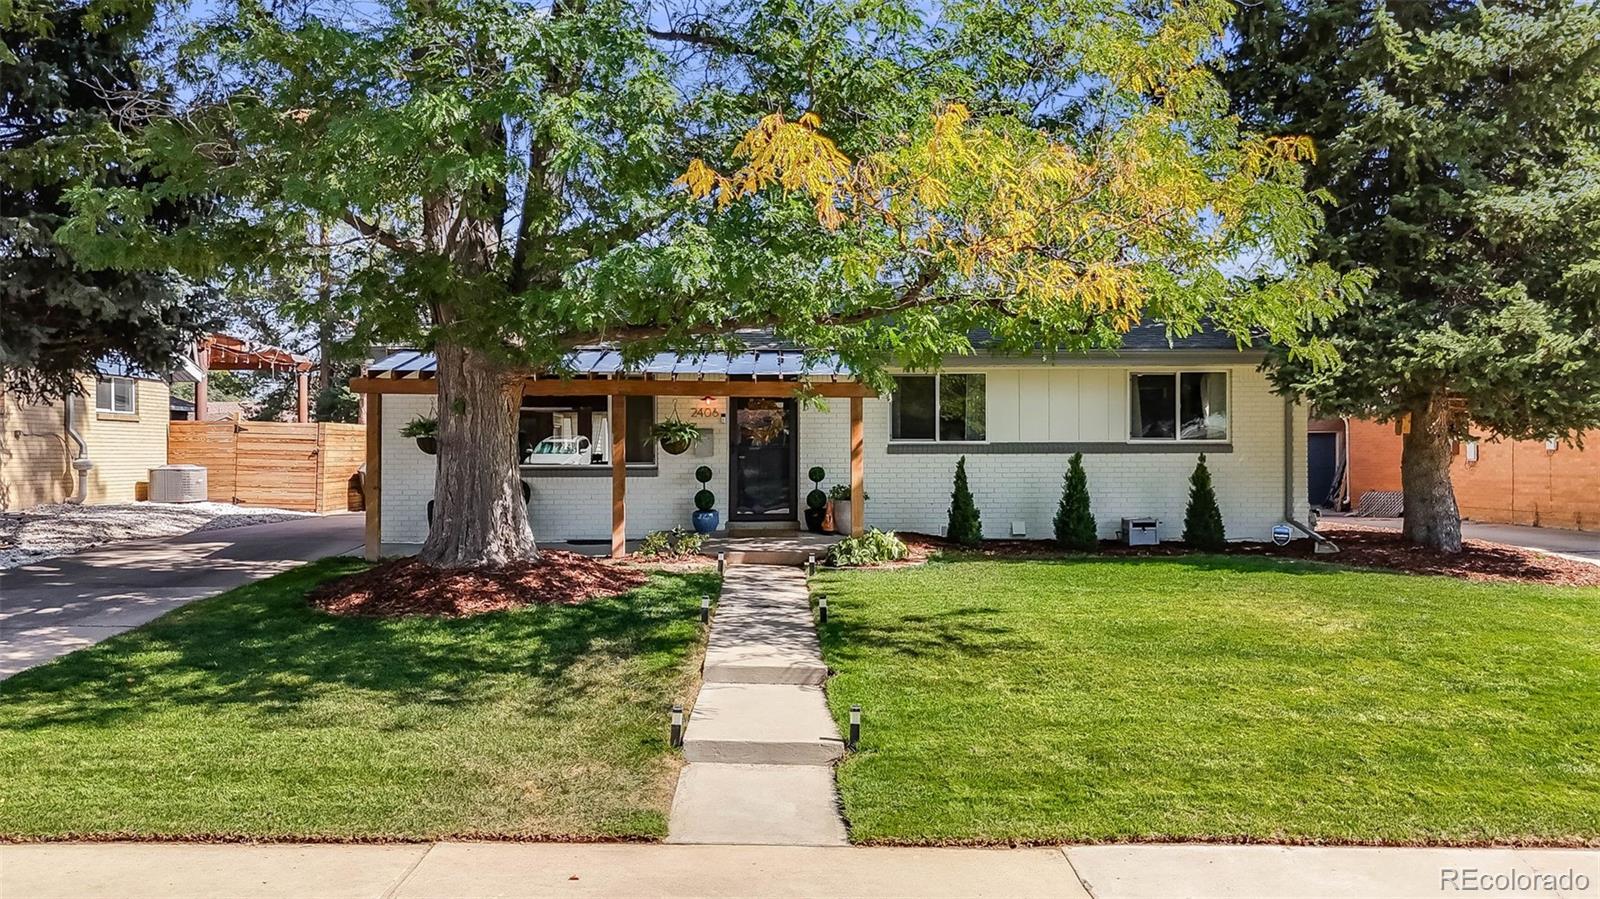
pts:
[1189, 405]
[588, 417]
[945, 407]
[118, 396]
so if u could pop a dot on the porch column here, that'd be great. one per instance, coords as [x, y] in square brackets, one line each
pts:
[858, 469]
[372, 501]
[303, 393]
[619, 476]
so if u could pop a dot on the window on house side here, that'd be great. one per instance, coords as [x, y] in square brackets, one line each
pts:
[912, 412]
[949, 408]
[118, 396]
[1178, 406]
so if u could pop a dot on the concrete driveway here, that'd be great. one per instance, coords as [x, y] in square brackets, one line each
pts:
[53, 607]
[1583, 546]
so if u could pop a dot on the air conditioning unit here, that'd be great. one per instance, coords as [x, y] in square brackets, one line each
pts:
[178, 484]
[1140, 531]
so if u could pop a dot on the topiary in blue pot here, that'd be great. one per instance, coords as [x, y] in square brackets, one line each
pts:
[705, 516]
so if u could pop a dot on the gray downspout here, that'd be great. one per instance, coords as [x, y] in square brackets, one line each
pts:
[81, 463]
[1324, 545]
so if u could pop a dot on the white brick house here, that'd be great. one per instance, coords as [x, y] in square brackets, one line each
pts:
[1140, 416]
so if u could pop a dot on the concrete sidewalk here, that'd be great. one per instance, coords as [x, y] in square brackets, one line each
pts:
[55, 606]
[1582, 546]
[86, 871]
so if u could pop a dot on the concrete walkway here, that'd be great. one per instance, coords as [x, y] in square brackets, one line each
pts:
[50, 608]
[178, 871]
[759, 740]
[1583, 546]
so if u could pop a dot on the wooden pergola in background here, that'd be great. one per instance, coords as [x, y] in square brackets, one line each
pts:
[224, 352]
[415, 376]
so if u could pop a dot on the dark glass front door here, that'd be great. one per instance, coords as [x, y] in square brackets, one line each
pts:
[764, 453]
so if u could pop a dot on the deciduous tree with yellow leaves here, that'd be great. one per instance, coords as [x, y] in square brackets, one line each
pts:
[867, 178]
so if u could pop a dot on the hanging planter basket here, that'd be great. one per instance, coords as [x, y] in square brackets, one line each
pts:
[425, 430]
[675, 436]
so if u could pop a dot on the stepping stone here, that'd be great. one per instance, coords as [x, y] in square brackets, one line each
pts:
[763, 632]
[761, 724]
[773, 805]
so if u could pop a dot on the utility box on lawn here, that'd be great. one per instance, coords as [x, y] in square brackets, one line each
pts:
[1140, 531]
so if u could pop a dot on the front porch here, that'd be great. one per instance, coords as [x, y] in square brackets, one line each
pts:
[756, 436]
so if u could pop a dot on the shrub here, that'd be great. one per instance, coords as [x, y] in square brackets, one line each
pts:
[870, 548]
[705, 500]
[1075, 528]
[671, 544]
[966, 525]
[1202, 522]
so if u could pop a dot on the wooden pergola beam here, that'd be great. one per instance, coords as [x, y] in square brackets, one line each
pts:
[371, 484]
[619, 479]
[634, 387]
[858, 468]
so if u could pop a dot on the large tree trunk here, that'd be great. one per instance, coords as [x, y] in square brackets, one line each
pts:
[1432, 518]
[479, 517]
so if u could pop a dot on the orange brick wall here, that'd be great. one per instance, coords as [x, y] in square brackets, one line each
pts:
[1374, 458]
[1514, 482]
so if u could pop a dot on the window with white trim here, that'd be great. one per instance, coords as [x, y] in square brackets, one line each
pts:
[1174, 405]
[118, 396]
[942, 407]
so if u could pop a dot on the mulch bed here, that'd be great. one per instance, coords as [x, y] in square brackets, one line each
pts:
[1358, 546]
[409, 587]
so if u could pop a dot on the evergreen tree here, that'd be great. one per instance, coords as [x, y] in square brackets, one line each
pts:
[1075, 527]
[1458, 143]
[67, 73]
[1202, 521]
[965, 525]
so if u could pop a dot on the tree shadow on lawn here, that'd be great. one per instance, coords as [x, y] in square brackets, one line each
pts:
[262, 646]
[974, 631]
[1236, 564]
[969, 631]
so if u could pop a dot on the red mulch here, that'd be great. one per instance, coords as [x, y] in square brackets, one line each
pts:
[408, 587]
[1358, 546]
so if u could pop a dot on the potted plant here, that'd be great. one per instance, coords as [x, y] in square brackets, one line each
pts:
[842, 512]
[675, 435]
[816, 500]
[705, 515]
[425, 428]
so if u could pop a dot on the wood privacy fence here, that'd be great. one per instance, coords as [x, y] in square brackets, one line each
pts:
[287, 465]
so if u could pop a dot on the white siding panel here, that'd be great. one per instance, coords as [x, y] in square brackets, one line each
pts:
[1004, 412]
[1063, 404]
[1034, 405]
[1095, 405]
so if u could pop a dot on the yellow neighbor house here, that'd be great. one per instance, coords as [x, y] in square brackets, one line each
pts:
[122, 422]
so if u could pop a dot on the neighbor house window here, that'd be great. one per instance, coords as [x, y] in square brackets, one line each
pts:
[1190, 405]
[938, 407]
[116, 395]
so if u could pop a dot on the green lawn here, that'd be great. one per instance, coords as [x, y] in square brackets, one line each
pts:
[1212, 697]
[251, 714]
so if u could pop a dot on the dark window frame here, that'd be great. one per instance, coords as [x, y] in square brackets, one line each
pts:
[938, 410]
[1177, 374]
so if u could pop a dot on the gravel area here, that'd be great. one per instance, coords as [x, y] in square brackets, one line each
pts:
[45, 532]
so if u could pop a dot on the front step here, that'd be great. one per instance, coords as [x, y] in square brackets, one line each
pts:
[762, 724]
[771, 805]
[763, 632]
